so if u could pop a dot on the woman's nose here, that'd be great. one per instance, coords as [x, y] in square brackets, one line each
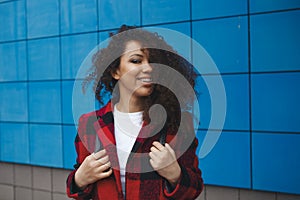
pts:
[147, 68]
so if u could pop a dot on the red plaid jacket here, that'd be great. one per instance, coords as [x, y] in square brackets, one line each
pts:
[142, 182]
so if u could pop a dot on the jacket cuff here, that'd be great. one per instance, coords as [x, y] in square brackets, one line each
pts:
[171, 191]
[75, 191]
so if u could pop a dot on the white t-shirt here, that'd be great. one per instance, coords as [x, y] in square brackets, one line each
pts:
[127, 127]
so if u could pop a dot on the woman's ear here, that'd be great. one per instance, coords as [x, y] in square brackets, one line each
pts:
[115, 74]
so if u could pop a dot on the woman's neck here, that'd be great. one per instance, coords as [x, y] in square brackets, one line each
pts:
[130, 105]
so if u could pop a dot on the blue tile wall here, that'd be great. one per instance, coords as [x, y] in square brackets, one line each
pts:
[253, 43]
[113, 15]
[237, 101]
[69, 152]
[275, 47]
[13, 102]
[215, 8]
[275, 102]
[46, 147]
[67, 90]
[45, 102]
[276, 162]
[173, 36]
[74, 50]
[226, 41]
[13, 64]
[270, 5]
[229, 161]
[14, 139]
[12, 24]
[42, 18]
[44, 59]
[78, 16]
[165, 11]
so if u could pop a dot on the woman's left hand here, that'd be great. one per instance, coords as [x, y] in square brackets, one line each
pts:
[163, 160]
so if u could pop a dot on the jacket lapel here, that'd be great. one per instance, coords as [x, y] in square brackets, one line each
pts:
[104, 127]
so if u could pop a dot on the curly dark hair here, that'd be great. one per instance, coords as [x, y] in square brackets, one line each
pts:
[105, 63]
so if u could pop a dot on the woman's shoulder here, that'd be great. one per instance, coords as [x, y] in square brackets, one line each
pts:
[96, 114]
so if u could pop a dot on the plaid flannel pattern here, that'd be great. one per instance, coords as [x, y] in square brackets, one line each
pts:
[142, 182]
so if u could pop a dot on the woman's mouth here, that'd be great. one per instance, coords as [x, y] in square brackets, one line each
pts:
[145, 80]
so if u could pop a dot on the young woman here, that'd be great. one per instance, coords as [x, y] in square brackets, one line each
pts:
[122, 152]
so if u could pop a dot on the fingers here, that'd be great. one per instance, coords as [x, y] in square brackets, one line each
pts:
[99, 154]
[103, 160]
[158, 145]
[170, 150]
[105, 174]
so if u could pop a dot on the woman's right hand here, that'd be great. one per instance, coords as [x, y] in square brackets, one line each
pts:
[94, 167]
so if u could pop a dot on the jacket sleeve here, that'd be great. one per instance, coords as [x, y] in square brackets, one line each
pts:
[190, 183]
[72, 190]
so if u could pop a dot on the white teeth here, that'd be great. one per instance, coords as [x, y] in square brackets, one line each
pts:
[146, 79]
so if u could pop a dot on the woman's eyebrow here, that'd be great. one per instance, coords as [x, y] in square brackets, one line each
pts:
[136, 54]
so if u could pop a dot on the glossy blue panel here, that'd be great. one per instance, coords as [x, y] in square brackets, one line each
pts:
[226, 41]
[14, 140]
[183, 47]
[228, 164]
[69, 133]
[275, 47]
[13, 102]
[165, 11]
[67, 91]
[78, 16]
[237, 101]
[217, 8]
[276, 162]
[43, 59]
[13, 61]
[74, 50]
[42, 18]
[275, 102]
[271, 5]
[45, 102]
[12, 24]
[46, 145]
[113, 14]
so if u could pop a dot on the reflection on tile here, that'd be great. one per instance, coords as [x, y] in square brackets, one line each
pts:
[42, 18]
[13, 65]
[43, 59]
[78, 16]
[12, 24]
[44, 102]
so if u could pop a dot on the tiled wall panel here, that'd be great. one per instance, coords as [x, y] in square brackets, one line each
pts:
[217, 8]
[275, 46]
[276, 162]
[254, 45]
[229, 161]
[226, 41]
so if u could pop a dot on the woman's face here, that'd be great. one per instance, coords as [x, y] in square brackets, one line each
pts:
[134, 72]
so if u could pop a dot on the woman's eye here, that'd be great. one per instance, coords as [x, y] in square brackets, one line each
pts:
[136, 61]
